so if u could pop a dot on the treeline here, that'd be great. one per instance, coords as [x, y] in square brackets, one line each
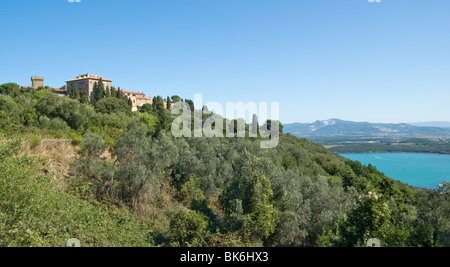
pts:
[424, 146]
[32, 114]
[135, 184]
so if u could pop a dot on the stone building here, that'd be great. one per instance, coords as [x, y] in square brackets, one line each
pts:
[38, 81]
[138, 99]
[86, 83]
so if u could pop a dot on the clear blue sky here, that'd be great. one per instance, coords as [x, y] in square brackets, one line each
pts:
[321, 59]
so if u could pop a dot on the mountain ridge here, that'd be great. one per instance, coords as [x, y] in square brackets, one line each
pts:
[338, 127]
[440, 124]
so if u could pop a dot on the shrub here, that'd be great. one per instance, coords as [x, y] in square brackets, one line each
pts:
[188, 228]
[112, 105]
[34, 140]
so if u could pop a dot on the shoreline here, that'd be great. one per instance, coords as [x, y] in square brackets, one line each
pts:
[389, 152]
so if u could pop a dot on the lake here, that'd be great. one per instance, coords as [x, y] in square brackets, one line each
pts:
[419, 170]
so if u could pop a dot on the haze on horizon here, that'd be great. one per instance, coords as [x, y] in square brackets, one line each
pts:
[353, 60]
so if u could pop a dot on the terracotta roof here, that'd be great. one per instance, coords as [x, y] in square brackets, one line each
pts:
[58, 90]
[130, 92]
[88, 78]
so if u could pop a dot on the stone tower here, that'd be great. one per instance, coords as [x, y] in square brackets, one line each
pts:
[37, 81]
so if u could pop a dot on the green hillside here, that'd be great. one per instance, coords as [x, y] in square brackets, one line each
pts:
[124, 180]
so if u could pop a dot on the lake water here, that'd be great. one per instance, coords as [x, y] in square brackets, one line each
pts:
[419, 170]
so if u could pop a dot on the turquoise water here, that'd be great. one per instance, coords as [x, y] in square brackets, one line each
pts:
[419, 170]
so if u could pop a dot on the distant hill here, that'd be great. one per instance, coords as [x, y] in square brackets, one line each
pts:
[440, 124]
[336, 127]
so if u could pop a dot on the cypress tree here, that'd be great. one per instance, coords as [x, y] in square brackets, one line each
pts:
[119, 94]
[168, 102]
[154, 103]
[113, 92]
[100, 90]
[84, 98]
[75, 93]
[108, 92]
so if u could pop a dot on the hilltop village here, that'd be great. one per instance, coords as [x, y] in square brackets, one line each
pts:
[87, 84]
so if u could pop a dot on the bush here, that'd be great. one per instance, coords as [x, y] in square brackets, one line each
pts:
[34, 140]
[8, 104]
[76, 138]
[58, 124]
[112, 105]
[71, 111]
[11, 89]
[188, 228]
[34, 213]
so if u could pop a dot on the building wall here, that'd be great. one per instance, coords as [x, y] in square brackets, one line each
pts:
[86, 85]
[142, 101]
[37, 81]
[82, 85]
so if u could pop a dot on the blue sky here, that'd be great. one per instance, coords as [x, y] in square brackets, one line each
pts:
[321, 59]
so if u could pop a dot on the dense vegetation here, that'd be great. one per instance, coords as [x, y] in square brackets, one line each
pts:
[133, 184]
[415, 145]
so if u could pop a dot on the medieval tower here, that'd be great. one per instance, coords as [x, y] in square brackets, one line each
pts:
[37, 81]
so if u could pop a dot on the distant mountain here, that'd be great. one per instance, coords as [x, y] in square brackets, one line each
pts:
[336, 127]
[440, 124]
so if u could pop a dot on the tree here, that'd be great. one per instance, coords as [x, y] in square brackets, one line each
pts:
[108, 92]
[113, 92]
[189, 228]
[101, 89]
[130, 102]
[370, 219]
[119, 93]
[141, 162]
[191, 104]
[146, 108]
[11, 89]
[84, 98]
[161, 113]
[8, 105]
[175, 99]
[168, 102]
[75, 93]
[71, 111]
[158, 103]
[254, 127]
[112, 105]
[39, 94]
[251, 201]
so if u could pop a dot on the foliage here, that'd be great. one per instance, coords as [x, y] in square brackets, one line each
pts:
[188, 228]
[134, 184]
[112, 105]
[71, 111]
[11, 89]
[33, 212]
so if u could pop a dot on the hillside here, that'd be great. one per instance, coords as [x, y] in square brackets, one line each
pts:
[440, 124]
[125, 180]
[336, 127]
